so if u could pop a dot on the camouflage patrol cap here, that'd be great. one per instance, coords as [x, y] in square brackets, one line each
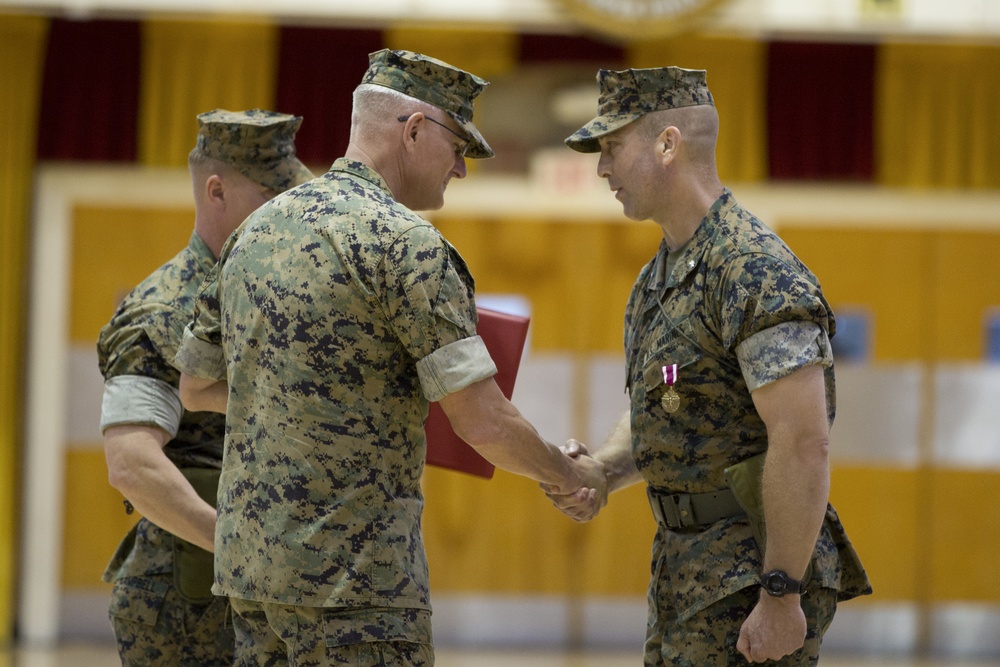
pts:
[435, 82]
[628, 94]
[259, 143]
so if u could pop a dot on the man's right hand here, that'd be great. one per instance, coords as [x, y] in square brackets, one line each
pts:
[584, 503]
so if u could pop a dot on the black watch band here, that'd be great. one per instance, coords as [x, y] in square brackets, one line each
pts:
[777, 583]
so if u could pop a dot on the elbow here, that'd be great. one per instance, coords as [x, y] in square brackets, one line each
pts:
[813, 445]
[195, 393]
[820, 447]
[813, 454]
[189, 397]
[190, 403]
[121, 477]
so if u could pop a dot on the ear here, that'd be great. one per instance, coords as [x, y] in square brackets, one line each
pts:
[411, 130]
[667, 145]
[215, 190]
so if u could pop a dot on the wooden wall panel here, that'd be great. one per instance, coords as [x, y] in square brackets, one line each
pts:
[884, 271]
[113, 250]
[963, 536]
[966, 281]
[879, 506]
[95, 519]
[576, 276]
[503, 535]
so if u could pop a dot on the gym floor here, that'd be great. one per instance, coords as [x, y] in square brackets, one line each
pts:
[83, 655]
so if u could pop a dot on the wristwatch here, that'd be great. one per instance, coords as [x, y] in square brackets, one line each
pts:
[777, 584]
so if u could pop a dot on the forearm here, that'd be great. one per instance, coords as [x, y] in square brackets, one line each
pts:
[616, 455]
[493, 426]
[796, 484]
[796, 488]
[796, 478]
[516, 447]
[139, 469]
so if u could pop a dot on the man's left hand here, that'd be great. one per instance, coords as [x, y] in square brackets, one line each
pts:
[775, 628]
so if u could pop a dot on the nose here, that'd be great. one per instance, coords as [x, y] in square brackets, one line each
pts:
[459, 169]
[604, 165]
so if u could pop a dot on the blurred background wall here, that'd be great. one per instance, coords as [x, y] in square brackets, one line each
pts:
[864, 131]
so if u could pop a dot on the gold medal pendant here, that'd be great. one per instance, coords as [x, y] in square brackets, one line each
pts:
[670, 400]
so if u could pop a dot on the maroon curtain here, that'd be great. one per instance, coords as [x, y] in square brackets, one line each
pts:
[820, 110]
[90, 93]
[318, 70]
[536, 48]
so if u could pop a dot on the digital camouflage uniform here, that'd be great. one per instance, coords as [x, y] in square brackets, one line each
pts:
[154, 623]
[734, 309]
[336, 316]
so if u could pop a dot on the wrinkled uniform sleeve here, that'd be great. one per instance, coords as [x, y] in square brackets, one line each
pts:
[200, 353]
[429, 296]
[775, 319]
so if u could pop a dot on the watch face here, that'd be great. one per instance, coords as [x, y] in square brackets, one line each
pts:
[636, 19]
[777, 584]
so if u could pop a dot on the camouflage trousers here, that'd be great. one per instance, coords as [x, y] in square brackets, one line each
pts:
[276, 635]
[708, 639]
[155, 626]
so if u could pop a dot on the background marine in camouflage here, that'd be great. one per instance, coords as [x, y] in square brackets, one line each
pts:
[163, 459]
[337, 315]
[731, 384]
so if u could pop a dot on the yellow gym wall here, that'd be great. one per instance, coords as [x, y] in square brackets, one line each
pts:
[22, 43]
[926, 291]
[113, 250]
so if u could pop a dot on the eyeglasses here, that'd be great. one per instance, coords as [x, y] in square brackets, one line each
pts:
[460, 150]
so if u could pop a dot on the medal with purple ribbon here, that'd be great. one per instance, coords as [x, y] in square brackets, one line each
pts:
[670, 400]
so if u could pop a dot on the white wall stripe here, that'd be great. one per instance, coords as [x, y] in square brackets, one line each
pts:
[878, 414]
[967, 419]
[84, 391]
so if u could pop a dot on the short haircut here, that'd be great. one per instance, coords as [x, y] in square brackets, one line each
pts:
[377, 107]
[699, 127]
[199, 162]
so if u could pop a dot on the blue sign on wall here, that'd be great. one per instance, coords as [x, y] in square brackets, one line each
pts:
[993, 336]
[853, 340]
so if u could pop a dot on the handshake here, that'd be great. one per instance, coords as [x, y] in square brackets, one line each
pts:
[591, 481]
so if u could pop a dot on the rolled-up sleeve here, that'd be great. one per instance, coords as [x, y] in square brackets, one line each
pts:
[779, 350]
[454, 367]
[200, 358]
[136, 400]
